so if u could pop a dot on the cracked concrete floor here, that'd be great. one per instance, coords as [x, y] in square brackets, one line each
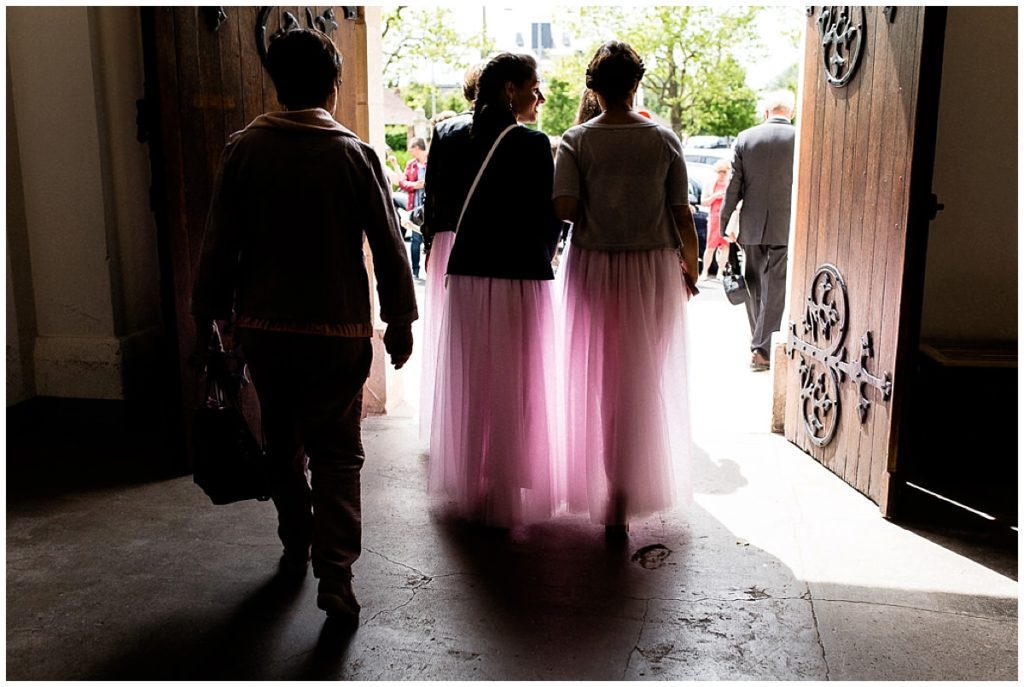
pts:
[776, 571]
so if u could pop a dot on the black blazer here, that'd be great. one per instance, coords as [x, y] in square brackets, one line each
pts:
[446, 184]
[509, 230]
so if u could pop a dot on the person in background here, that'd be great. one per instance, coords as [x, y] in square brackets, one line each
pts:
[413, 182]
[762, 177]
[446, 189]
[620, 178]
[293, 274]
[492, 439]
[713, 196]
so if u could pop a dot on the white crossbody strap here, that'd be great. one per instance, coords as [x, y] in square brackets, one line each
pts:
[480, 173]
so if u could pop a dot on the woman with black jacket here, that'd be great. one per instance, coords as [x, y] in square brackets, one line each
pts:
[492, 438]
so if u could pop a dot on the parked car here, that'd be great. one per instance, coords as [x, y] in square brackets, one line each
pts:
[707, 156]
[700, 215]
[709, 142]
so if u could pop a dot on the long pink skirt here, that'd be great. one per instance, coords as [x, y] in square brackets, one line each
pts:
[433, 307]
[492, 436]
[624, 383]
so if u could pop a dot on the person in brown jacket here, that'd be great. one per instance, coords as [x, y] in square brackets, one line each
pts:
[294, 196]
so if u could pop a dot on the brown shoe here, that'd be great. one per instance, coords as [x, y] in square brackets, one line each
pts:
[335, 597]
[759, 363]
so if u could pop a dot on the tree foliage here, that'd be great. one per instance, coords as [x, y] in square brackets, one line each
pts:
[693, 77]
[563, 85]
[413, 36]
[418, 96]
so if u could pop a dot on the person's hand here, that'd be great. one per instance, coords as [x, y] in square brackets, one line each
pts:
[417, 185]
[398, 343]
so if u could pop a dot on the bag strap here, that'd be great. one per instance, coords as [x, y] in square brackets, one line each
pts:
[480, 173]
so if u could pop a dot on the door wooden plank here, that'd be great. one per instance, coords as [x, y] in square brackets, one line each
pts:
[809, 118]
[889, 238]
[909, 70]
[889, 45]
[170, 180]
[231, 73]
[882, 80]
[250, 65]
[848, 257]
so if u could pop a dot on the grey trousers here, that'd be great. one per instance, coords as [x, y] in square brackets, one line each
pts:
[310, 389]
[765, 274]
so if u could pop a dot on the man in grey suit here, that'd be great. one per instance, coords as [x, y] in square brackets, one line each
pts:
[762, 177]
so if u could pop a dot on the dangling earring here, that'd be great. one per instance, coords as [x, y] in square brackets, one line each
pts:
[510, 106]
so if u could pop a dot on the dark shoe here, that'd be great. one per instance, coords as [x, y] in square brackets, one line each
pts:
[616, 531]
[759, 363]
[294, 564]
[335, 597]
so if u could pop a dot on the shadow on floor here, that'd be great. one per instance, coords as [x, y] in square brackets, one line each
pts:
[992, 543]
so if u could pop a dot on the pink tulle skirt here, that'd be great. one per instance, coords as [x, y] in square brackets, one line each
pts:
[624, 383]
[492, 436]
[433, 307]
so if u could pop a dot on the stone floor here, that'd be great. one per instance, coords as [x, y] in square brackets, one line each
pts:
[776, 571]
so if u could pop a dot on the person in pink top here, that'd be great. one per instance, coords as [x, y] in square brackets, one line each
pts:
[713, 198]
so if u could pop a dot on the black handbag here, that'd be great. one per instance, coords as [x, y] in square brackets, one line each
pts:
[735, 285]
[230, 463]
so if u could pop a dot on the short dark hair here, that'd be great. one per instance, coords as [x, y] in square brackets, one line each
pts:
[614, 70]
[304, 65]
[418, 143]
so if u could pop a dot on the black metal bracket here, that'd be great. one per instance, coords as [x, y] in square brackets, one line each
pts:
[325, 23]
[890, 13]
[842, 42]
[824, 367]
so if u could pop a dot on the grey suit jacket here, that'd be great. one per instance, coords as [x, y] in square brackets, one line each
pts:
[762, 177]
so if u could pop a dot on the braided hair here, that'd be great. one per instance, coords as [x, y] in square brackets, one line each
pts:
[492, 110]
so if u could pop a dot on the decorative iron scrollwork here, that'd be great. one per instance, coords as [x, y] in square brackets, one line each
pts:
[842, 42]
[215, 17]
[325, 23]
[823, 365]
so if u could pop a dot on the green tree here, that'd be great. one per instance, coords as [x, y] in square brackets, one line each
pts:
[693, 77]
[559, 110]
[563, 84]
[418, 95]
[414, 36]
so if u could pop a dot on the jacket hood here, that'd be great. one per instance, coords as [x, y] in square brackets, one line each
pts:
[315, 120]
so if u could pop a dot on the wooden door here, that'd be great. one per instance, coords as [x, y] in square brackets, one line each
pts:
[204, 81]
[866, 145]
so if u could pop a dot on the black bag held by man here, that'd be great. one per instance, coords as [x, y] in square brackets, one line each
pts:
[735, 285]
[230, 464]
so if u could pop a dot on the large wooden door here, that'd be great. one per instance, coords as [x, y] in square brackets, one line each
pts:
[863, 202]
[204, 81]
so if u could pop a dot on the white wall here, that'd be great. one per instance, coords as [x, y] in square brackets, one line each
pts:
[971, 277]
[90, 241]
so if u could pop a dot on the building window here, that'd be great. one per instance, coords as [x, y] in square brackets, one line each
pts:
[540, 36]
